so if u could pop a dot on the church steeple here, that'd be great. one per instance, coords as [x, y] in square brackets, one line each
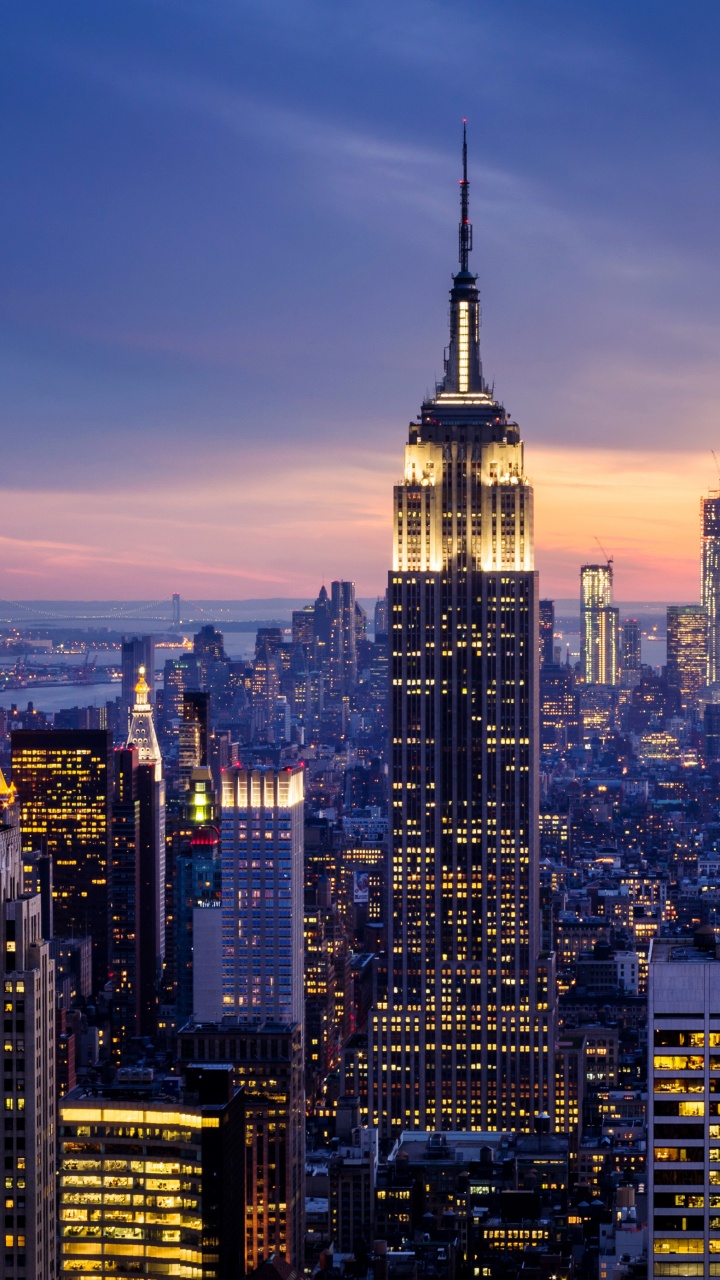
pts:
[463, 370]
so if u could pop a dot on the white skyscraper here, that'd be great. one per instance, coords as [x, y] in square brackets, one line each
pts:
[262, 894]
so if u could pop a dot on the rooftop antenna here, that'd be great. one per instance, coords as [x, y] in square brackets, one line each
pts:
[465, 224]
[717, 464]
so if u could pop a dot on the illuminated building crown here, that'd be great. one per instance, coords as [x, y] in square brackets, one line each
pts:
[142, 727]
[463, 370]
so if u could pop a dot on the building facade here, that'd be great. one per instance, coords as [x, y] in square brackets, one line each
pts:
[151, 1177]
[262, 893]
[29, 1084]
[683, 1125]
[710, 579]
[465, 1039]
[267, 1063]
[64, 785]
[631, 646]
[599, 625]
[547, 632]
[687, 635]
[137, 652]
[151, 858]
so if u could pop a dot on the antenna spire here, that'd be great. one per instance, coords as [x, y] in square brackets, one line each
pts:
[465, 224]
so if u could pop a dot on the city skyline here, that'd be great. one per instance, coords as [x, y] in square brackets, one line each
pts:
[165, 166]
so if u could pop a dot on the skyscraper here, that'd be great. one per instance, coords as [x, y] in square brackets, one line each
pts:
[198, 882]
[599, 625]
[687, 634]
[137, 652]
[151, 858]
[194, 734]
[343, 638]
[29, 1087]
[64, 784]
[124, 895]
[152, 1177]
[262, 893]
[710, 579]
[465, 1040]
[267, 1063]
[631, 646]
[683, 1160]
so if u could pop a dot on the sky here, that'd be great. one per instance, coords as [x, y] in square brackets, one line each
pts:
[228, 232]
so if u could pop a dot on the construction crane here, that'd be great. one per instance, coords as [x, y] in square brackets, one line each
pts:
[609, 559]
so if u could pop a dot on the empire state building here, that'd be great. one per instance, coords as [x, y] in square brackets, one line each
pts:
[465, 1039]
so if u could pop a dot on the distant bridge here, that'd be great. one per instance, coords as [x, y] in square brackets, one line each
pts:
[171, 612]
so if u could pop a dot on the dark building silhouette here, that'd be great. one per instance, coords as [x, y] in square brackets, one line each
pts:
[343, 638]
[124, 894]
[711, 730]
[137, 652]
[322, 612]
[547, 631]
[631, 652]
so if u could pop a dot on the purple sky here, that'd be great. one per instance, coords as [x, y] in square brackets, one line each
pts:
[227, 238]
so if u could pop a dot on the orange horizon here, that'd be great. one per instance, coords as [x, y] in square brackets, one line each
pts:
[296, 521]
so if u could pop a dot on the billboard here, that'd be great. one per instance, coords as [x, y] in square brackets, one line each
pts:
[361, 891]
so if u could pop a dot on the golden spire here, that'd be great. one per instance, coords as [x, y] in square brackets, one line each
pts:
[142, 688]
[8, 791]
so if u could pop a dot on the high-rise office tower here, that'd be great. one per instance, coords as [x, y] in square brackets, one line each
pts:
[599, 625]
[321, 629]
[173, 690]
[343, 638]
[137, 652]
[151, 1177]
[381, 615]
[303, 627]
[262, 892]
[194, 734]
[261, 1031]
[559, 708]
[265, 686]
[28, 1088]
[687, 634]
[124, 895]
[209, 649]
[151, 858]
[631, 645]
[710, 579]
[64, 784]
[198, 882]
[465, 1040]
[267, 1062]
[547, 631]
